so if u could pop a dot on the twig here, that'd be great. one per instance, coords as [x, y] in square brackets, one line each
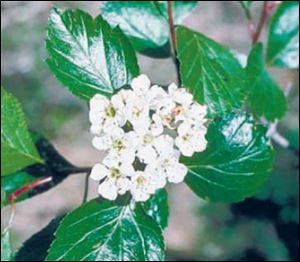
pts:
[13, 196]
[251, 25]
[79, 170]
[268, 7]
[261, 23]
[173, 40]
[86, 188]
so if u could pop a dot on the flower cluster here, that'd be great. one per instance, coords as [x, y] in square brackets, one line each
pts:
[145, 130]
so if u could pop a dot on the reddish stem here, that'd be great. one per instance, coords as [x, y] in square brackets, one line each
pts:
[13, 196]
[268, 8]
[173, 39]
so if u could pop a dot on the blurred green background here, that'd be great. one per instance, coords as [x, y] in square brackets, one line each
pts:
[264, 227]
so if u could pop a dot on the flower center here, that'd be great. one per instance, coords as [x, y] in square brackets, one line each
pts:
[115, 173]
[141, 180]
[148, 138]
[117, 144]
[178, 110]
[186, 137]
[110, 111]
[137, 111]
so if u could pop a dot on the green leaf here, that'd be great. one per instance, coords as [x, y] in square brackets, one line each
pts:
[54, 165]
[87, 56]
[265, 96]
[105, 231]
[210, 71]
[157, 207]
[146, 22]
[6, 252]
[181, 9]
[3, 198]
[36, 247]
[246, 4]
[283, 43]
[235, 164]
[17, 148]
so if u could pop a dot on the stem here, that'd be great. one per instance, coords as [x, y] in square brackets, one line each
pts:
[79, 170]
[86, 188]
[173, 40]
[13, 196]
[263, 19]
[251, 25]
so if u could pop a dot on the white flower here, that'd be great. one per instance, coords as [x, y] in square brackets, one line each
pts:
[145, 130]
[115, 178]
[119, 142]
[137, 113]
[194, 114]
[190, 139]
[104, 115]
[140, 85]
[180, 95]
[122, 99]
[146, 138]
[167, 165]
[143, 185]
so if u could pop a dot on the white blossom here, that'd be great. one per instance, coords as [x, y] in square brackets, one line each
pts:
[104, 115]
[143, 185]
[190, 139]
[145, 130]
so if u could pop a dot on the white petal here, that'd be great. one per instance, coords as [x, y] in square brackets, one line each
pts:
[102, 142]
[160, 180]
[99, 172]
[109, 125]
[200, 144]
[140, 85]
[112, 159]
[155, 95]
[157, 126]
[164, 144]
[176, 173]
[96, 117]
[96, 129]
[108, 190]
[98, 102]
[183, 97]
[124, 185]
[172, 88]
[121, 118]
[139, 195]
[185, 148]
[127, 155]
[147, 154]
[183, 129]
[141, 125]
[127, 169]
[117, 133]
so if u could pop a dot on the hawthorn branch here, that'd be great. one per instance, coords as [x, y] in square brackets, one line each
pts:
[251, 25]
[261, 23]
[79, 170]
[13, 196]
[267, 9]
[173, 40]
[86, 188]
